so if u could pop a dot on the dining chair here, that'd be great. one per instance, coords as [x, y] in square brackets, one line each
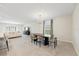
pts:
[53, 42]
[6, 41]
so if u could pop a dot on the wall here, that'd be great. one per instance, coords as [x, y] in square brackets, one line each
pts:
[7, 27]
[76, 29]
[5, 22]
[62, 28]
[34, 27]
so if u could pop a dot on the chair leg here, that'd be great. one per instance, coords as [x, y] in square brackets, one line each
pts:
[7, 45]
[55, 44]
[40, 43]
[36, 42]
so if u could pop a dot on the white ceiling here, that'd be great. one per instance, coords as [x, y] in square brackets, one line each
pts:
[28, 12]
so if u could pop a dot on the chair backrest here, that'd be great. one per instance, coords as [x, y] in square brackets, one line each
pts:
[55, 39]
[5, 37]
[1, 35]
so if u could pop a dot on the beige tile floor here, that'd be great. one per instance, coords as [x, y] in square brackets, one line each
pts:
[23, 47]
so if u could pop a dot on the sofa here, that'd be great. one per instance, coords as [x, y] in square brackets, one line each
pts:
[13, 34]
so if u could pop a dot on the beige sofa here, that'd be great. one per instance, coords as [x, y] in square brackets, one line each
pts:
[13, 34]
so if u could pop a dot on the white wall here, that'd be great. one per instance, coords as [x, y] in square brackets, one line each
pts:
[34, 27]
[76, 29]
[6, 21]
[62, 28]
[4, 27]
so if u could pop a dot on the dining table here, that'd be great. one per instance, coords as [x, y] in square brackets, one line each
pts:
[46, 38]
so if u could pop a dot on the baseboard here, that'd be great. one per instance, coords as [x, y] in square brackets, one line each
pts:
[66, 41]
[77, 51]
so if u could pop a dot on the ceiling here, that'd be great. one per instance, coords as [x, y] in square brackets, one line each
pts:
[29, 12]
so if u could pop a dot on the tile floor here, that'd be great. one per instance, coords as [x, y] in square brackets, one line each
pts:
[23, 47]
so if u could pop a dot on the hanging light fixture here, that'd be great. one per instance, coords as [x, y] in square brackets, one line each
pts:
[41, 15]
